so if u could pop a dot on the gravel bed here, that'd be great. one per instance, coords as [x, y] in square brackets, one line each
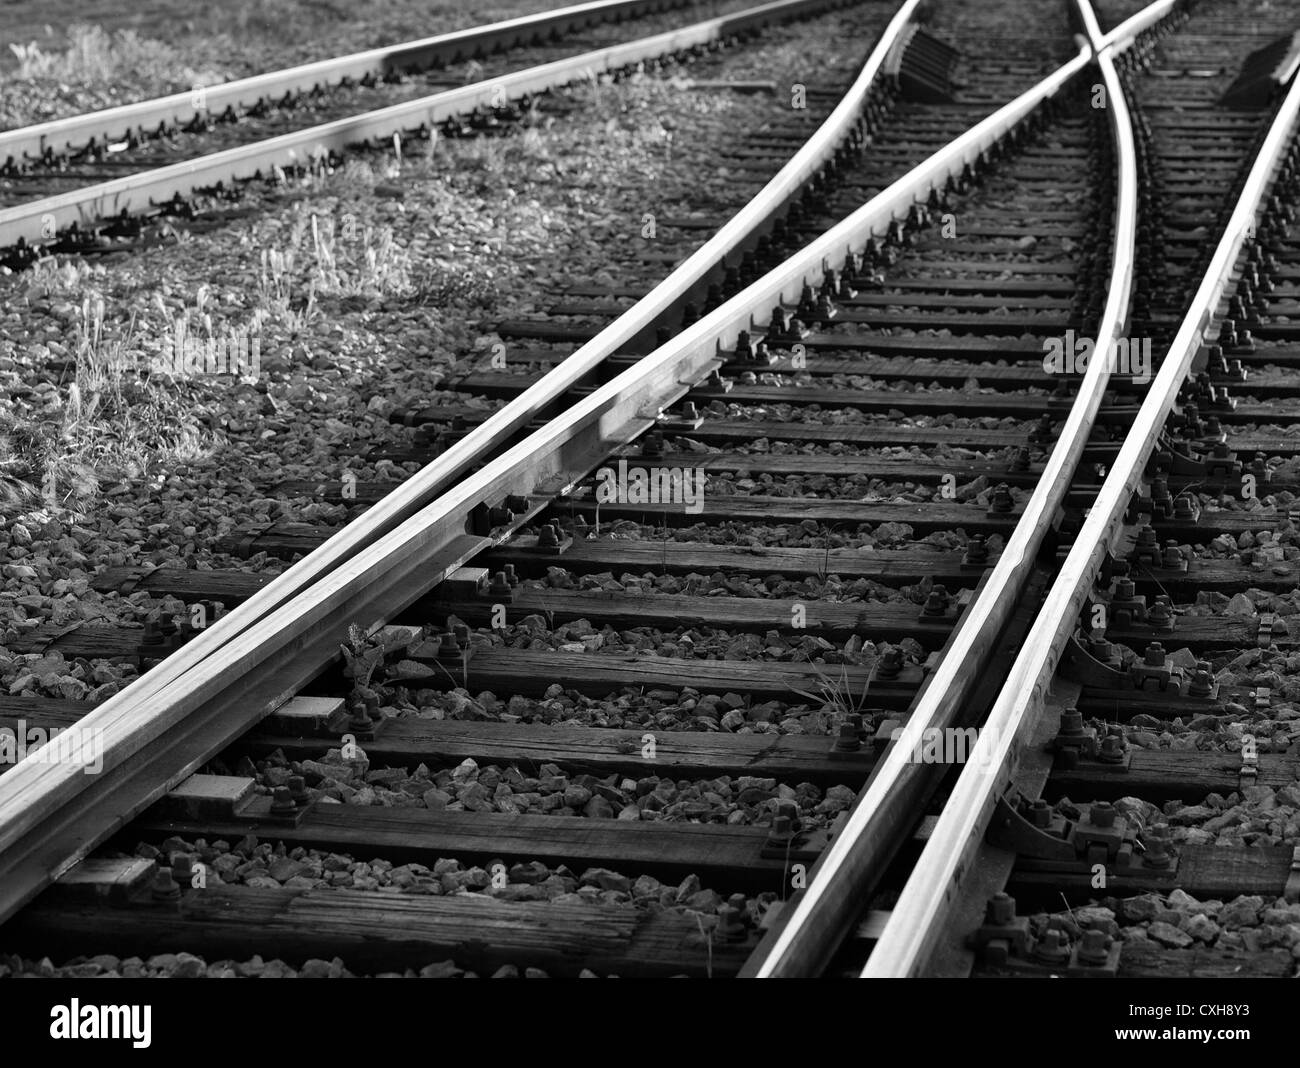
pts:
[733, 584]
[469, 787]
[249, 862]
[187, 966]
[684, 709]
[1179, 921]
[807, 534]
[363, 300]
[821, 416]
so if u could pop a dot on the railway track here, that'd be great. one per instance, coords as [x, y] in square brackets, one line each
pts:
[85, 183]
[642, 671]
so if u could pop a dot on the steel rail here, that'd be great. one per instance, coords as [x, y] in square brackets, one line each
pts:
[32, 851]
[818, 918]
[1121, 38]
[37, 220]
[59, 136]
[910, 934]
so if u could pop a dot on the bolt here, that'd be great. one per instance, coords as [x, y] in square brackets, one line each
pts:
[182, 865]
[890, 664]
[1002, 501]
[1102, 814]
[1071, 723]
[1154, 655]
[1202, 684]
[937, 603]
[298, 790]
[1001, 910]
[1094, 948]
[977, 550]
[1040, 813]
[1113, 749]
[1160, 615]
[848, 740]
[547, 537]
[164, 886]
[359, 718]
[781, 831]
[282, 800]
[1053, 948]
[1123, 589]
[1157, 847]
[731, 926]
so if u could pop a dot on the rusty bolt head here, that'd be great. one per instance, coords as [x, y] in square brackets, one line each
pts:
[1053, 947]
[1102, 814]
[1094, 947]
[848, 740]
[1001, 909]
[164, 886]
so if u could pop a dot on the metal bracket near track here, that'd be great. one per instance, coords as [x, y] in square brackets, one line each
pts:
[1004, 941]
[1044, 840]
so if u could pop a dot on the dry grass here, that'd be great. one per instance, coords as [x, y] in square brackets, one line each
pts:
[94, 56]
[106, 422]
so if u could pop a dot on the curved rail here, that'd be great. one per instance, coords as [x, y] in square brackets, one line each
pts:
[33, 221]
[910, 933]
[818, 918]
[50, 815]
[59, 136]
